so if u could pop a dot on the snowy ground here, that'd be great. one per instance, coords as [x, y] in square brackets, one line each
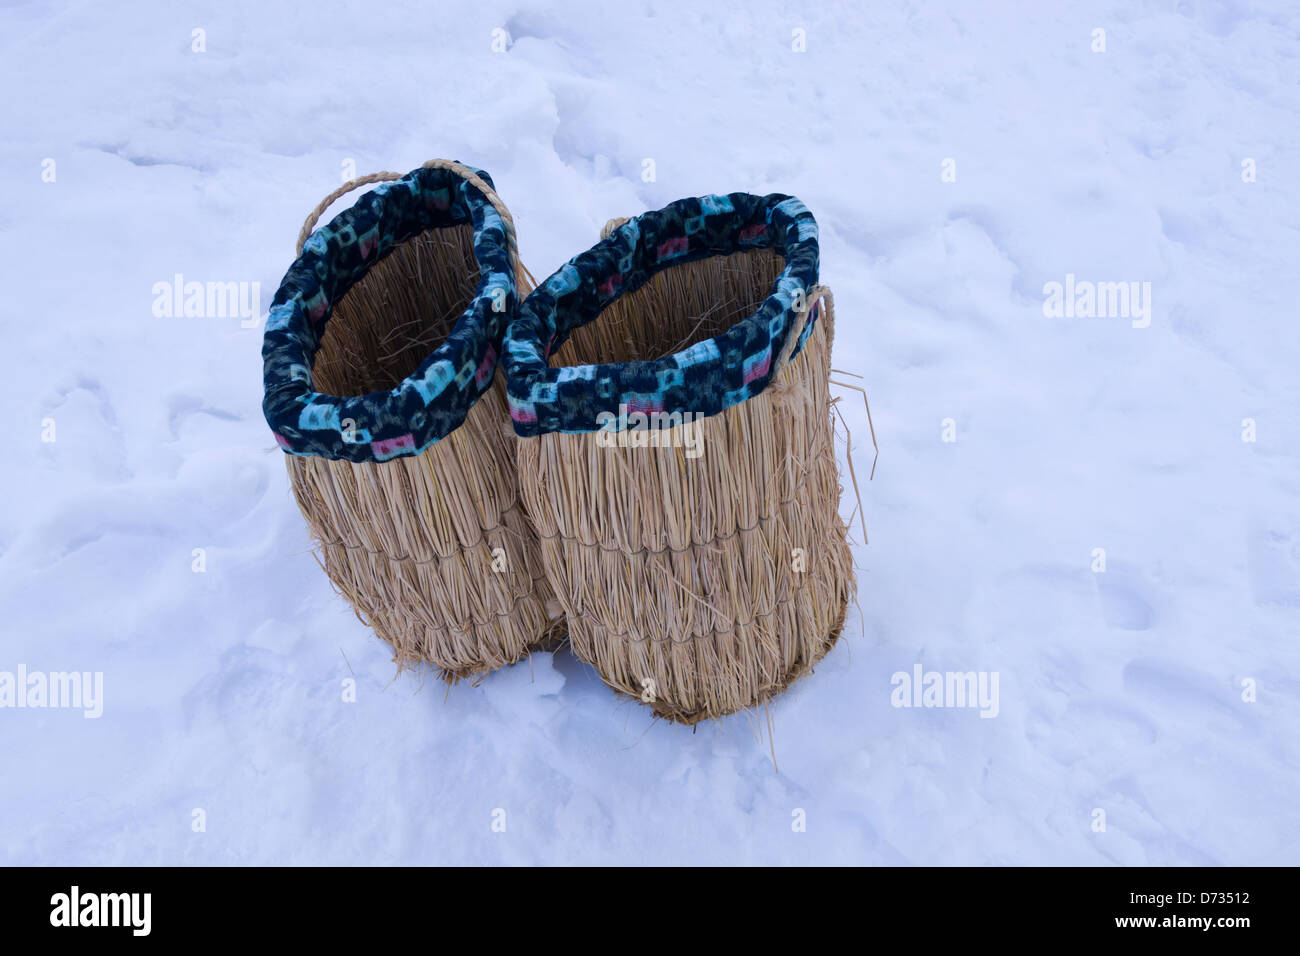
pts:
[1163, 691]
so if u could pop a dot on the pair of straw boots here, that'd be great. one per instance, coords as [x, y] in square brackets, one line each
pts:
[637, 453]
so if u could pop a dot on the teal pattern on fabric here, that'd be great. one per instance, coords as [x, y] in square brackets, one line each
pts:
[433, 401]
[705, 378]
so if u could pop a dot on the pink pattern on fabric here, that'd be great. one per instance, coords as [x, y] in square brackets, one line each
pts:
[487, 367]
[283, 442]
[316, 306]
[523, 414]
[392, 446]
[673, 247]
[645, 406]
[607, 287]
[759, 369]
[750, 233]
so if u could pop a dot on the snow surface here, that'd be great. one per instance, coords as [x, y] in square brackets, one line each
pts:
[1120, 691]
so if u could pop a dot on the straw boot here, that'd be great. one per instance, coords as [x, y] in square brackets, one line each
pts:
[670, 387]
[381, 385]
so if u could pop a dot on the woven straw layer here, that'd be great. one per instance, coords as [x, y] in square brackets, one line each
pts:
[432, 550]
[700, 585]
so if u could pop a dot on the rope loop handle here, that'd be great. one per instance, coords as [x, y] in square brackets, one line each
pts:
[815, 295]
[611, 225]
[461, 170]
[314, 216]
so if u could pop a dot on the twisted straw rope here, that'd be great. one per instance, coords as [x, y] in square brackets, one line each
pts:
[461, 170]
[815, 295]
[611, 225]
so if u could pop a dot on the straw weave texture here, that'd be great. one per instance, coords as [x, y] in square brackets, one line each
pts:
[433, 550]
[701, 586]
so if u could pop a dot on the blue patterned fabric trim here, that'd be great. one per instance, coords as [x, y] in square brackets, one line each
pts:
[433, 401]
[704, 379]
